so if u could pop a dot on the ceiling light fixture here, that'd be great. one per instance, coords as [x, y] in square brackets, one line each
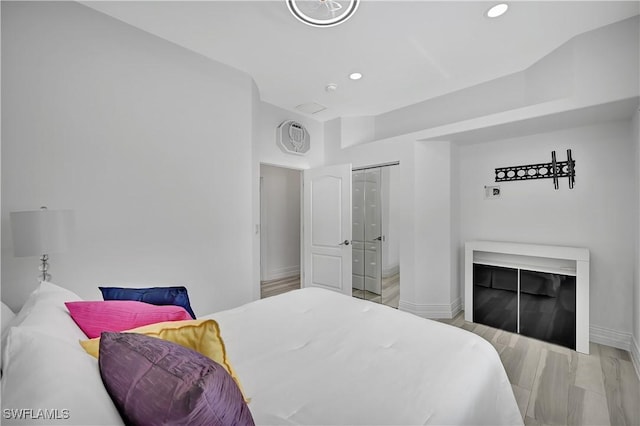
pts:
[322, 13]
[331, 87]
[355, 76]
[497, 10]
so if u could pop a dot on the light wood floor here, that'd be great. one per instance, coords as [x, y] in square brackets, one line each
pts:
[282, 285]
[390, 292]
[390, 289]
[554, 385]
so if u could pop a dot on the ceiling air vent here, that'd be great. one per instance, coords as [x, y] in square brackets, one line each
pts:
[311, 108]
[293, 138]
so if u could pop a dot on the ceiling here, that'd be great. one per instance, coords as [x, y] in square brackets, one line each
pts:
[408, 51]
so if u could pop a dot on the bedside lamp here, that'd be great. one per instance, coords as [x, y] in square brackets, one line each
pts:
[40, 233]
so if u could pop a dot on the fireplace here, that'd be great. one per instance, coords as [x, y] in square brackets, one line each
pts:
[534, 290]
[536, 304]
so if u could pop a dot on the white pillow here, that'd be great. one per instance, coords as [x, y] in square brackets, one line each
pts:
[7, 316]
[44, 372]
[44, 311]
[45, 295]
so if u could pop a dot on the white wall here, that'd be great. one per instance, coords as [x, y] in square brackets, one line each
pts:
[597, 214]
[1, 132]
[635, 349]
[280, 222]
[391, 219]
[435, 256]
[149, 143]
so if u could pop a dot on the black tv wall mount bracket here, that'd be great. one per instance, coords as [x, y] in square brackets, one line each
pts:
[553, 170]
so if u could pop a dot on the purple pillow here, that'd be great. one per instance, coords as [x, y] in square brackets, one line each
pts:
[156, 382]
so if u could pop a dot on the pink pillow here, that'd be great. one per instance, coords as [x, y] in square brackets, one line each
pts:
[119, 315]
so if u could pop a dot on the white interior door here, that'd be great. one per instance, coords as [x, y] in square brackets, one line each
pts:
[327, 228]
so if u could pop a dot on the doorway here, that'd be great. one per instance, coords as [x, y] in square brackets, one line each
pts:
[280, 212]
[376, 254]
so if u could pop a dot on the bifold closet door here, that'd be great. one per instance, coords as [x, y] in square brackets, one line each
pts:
[358, 179]
[367, 234]
[373, 234]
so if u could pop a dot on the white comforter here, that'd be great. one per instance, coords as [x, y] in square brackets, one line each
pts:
[306, 357]
[313, 356]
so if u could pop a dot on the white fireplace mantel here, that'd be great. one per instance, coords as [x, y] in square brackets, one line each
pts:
[552, 259]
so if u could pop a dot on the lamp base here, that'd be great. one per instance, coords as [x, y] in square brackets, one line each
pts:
[43, 268]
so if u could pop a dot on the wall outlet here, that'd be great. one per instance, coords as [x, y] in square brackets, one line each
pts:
[491, 192]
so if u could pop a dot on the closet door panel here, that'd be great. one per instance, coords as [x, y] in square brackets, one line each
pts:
[358, 265]
[373, 231]
[357, 233]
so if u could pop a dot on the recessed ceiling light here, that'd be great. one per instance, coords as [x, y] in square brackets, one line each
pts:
[497, 10]
[355, 76]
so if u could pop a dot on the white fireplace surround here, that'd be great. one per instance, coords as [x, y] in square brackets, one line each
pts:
[552, 259]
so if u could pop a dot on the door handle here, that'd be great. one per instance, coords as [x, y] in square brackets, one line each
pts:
[345, 243]
[380, 238]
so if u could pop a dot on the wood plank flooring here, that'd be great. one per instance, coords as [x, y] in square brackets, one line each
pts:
[390, 289]
[554, 385]
[282, 285]
[390, 292]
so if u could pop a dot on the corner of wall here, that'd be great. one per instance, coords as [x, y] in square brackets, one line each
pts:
[635, 355]
[357, 130]
[457, 247]
[635, 340]
[332, 140]
[255, 184]
[432, 311]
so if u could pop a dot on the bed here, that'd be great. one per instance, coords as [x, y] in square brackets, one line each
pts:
[309, 356]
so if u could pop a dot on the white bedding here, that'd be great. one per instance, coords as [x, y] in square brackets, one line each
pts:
[306, 357]
[313, 356]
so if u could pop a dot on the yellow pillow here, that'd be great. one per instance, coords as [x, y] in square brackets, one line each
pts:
[201, 335]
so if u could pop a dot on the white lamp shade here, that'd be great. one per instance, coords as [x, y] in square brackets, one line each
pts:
[38, 232]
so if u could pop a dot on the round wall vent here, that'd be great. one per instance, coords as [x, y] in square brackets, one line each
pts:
[293, 138]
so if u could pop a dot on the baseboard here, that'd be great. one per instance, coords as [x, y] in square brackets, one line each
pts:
[635, 355]
[434, 311]
[391, 271]
[456, 307]
[609, 337]
[617, 339]
[279, 273]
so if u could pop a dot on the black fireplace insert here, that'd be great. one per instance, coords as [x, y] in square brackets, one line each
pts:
[543, 306]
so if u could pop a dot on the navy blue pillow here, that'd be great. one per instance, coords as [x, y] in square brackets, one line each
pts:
[154, 295]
